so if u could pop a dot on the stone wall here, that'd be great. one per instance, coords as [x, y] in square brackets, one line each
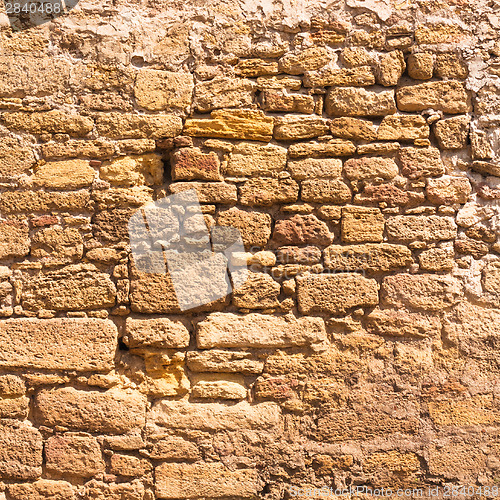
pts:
[355, 146]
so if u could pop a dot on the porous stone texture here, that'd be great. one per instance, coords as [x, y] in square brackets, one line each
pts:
[348, 154]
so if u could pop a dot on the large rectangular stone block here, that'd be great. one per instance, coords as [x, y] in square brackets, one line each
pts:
[354, 101]
[130, 126]
[407, 228]
[58, 344]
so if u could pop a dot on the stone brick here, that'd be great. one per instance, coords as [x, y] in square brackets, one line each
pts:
[247, 124]
[250, 159]
[486, 168]
[12, 385]
[421, 65]
[450, 65]
[219, 361]
[325, 191]
[256, 67]
[223, 92]
[68, 174]
[259, 291]
[491, 281]
[98, 490]
[14, 407]
[309, 59]
[279, 82]
[367, 257]
[163, 333]
[133, 170]
[315, 168]
[266, 192]
[370, 168]
[218, 389]
[153, 294]
[157, 90]
[477, 249]
[353, 128]
[356, 77]
[45, 344]
[20, 451]
[14, 239]
[478, 410]
[191, 163]
[76, 287]
[113, 411]
[74, 455]
[214, 480]
[406, 228]
[362, 224]
[298, 255]
[296, 127]
[57, 245]
[254, 227]
[43, 489]
[174, 448]
[208, 192]
[282, 102]
[420, 162]
[446, 96]
[452, 133]
[353, 101]
[52, 122]
[403, 128]
[126, 465]
[421, 291]
[390, 68]
[448, 190]
[334, 147]
[259, 331]
[131, 126]
[335, 293]
[15, 157]
[301, 230]
[393, 323]
[436, 259]
[77, 148]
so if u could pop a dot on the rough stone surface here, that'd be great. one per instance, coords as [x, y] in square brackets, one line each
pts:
[250, 159]
[353, 101]
[408, 228]
[360, 224]
[156, 332]
[301, 230]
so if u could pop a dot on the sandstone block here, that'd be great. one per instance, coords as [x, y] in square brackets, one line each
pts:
[301, 230]
[68, 174]
[259, 331]
[223, 92]
[254, 227]
[446, 96]
[153, 294]
[219, 361]
[41, 201]
[114, 411]
[450, 65]
[429, 292]
[479, 410]
[20, 451]
[315, 167]
[52, 122]
[157, 90]
[356, 77]
[421, 65]
[15, 158]
[12, 385]
[134, 170]
[174, 448]
[14, 407]
[57, 245]
[260, 291]
[403, 128]
[448, 190]
[334, 147]
[98, 490]
[491, 281]
[393, 323]
[247, 124]
[163, 333]
[131, 126]
[353, 101]
[486, 168]
[436, 259]
[307, 60]
[370, 168]
[191, 163]
[353, 128]
[96, 149]
[75, 455]
[212, 480]
[295, 127]
[208, 192]
[406, 228]
[266, 192]
[362, 224]
[335, 293]
[125, 465]
[298, 255]
[326, 191]
[390, 68]
[279, 82]
[277, 101]
[250, 159]
[218, 389]
[256, 67]
[367, 257]
[420, 162]
[14, 239]
[45, 344]
[452, 133]
[43, 489]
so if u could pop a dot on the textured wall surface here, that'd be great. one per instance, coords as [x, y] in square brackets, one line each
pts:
[355, 146]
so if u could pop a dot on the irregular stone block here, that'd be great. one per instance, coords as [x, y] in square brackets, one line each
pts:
[247, 124]
[436, 259]
[335, 293]
[353, 101]
[421, 291]
[479, 410]
[41, 201]
[218, 389]
[256, 67]
[334, 147]
[448, 190]
[125, 465]
[406, 228]
[301, 230]
[298, 255]
[213, 480]
[219, 361]
[421, 65]
[223, 92]
[14, 407]
[114, 411]
[295, 127]
[450, 65]
[362, 224]
[250, 159]
[259, 291]
[353, 128]
[307, 60]
[131, 126]
[402, 324]
[14, 239]
[52, 122]
[191, 163]
[315, 168]
[420, 162]
[96, 149]
[208, 192]
[266, 192]
[69, 174]
[57, 245]
[97, 490]
[326, 191]
[446, 96]
[15, 158]
[157, 90]
[258, 331]
[452, 133]
[133, 170]
[356, 77]
[163, 333]
[491, 283]
[390, 68]
[277, 101]
[45, 344]
[43, 489]
[403, 128]
[370, 168]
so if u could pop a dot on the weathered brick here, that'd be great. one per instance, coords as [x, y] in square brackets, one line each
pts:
[421, 65]
[296, 127]
[57, 245]
[68, 174]
[436, 259]
[370, 168]
[223, 92]
[420, 162]
[219, 361]
[277, 101]
[45, 343]
[325, 191]
[219, 389]
[362, 224]
[131, 126]
[125, 465]
[53, 122]
[259, 291]
[14, 239]
[98, 490]
[452, 133]
[15, 157]
[192, 163]
[113, 411]
[313, 168]
[250, 159]
[390, 68]
[333, 147]
[301, 230]
[353, 101]
[335, 293]
[395, 323]
[43, 489]
[256, 67]
[345, 77]
[406, 228]
[258, 331]
[42, 201]
[403, 128]
[266, 192]
[353, 128]
[448, 190]
[156, 332]
[75, 148]
[208, 192]
[133, 170]
[306, 60]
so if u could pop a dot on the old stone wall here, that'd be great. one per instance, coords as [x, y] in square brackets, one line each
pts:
[355, 146]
